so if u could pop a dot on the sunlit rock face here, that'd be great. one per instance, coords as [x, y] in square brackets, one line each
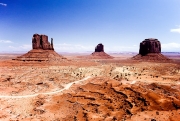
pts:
[41, 42]
[42, 50]
[150, 46]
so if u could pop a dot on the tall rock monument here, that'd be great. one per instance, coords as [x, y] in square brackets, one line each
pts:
[99, 53]
[150, 46]
[41, 42]
[150, 49]
[42, 50]
[99, 48]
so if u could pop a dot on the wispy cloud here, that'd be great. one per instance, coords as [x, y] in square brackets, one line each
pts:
[176, 30]
[58, 47]
[74, 48]
[3, 4]
[131, 48]
[171, 47]
[166, 47]
[83, 48]
[5, 41]
[12, 47]
[24, 47]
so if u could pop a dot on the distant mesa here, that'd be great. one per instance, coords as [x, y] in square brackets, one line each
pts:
[150, 46]
[99, 53]
[42, 50]
[99, 48]
[150, 49]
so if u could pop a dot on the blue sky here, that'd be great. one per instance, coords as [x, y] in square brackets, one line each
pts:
[79, 25]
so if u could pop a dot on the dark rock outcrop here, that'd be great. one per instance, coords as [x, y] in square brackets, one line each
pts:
[99, 53]
[99, 48]
[150, 46]
[150, 50]
[41, 42]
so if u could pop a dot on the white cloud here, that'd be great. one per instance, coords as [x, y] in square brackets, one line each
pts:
[20, 48]
[131, 48]
[167, 47]
[3, 4]
[26, 47]
[176, 30]
[5, 41]
[82, 48]
[58, 47]
[12, 47]
[171, 45]
[72, 48]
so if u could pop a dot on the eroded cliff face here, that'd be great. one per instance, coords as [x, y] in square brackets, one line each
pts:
[150, 46]
[150, 50]
[41, 42]
[42, 50]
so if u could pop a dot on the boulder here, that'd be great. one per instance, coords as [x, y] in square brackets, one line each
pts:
[150, 46]
[41, 42]
[99, 48]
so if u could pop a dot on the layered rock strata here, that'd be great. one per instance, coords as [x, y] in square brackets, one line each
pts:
[42, 50]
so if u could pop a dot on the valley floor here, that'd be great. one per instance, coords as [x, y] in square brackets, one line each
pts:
[81, 89]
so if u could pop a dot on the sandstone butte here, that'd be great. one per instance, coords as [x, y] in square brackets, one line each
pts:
[42, 50]
[99, 53]
[150, 49]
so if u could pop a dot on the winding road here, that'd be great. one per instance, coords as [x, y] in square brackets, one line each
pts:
[66, 87]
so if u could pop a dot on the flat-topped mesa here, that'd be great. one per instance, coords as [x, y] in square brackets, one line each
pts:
[150, 46]
[99, 48]
[150, 50]
[41, 42]
[99, 53]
